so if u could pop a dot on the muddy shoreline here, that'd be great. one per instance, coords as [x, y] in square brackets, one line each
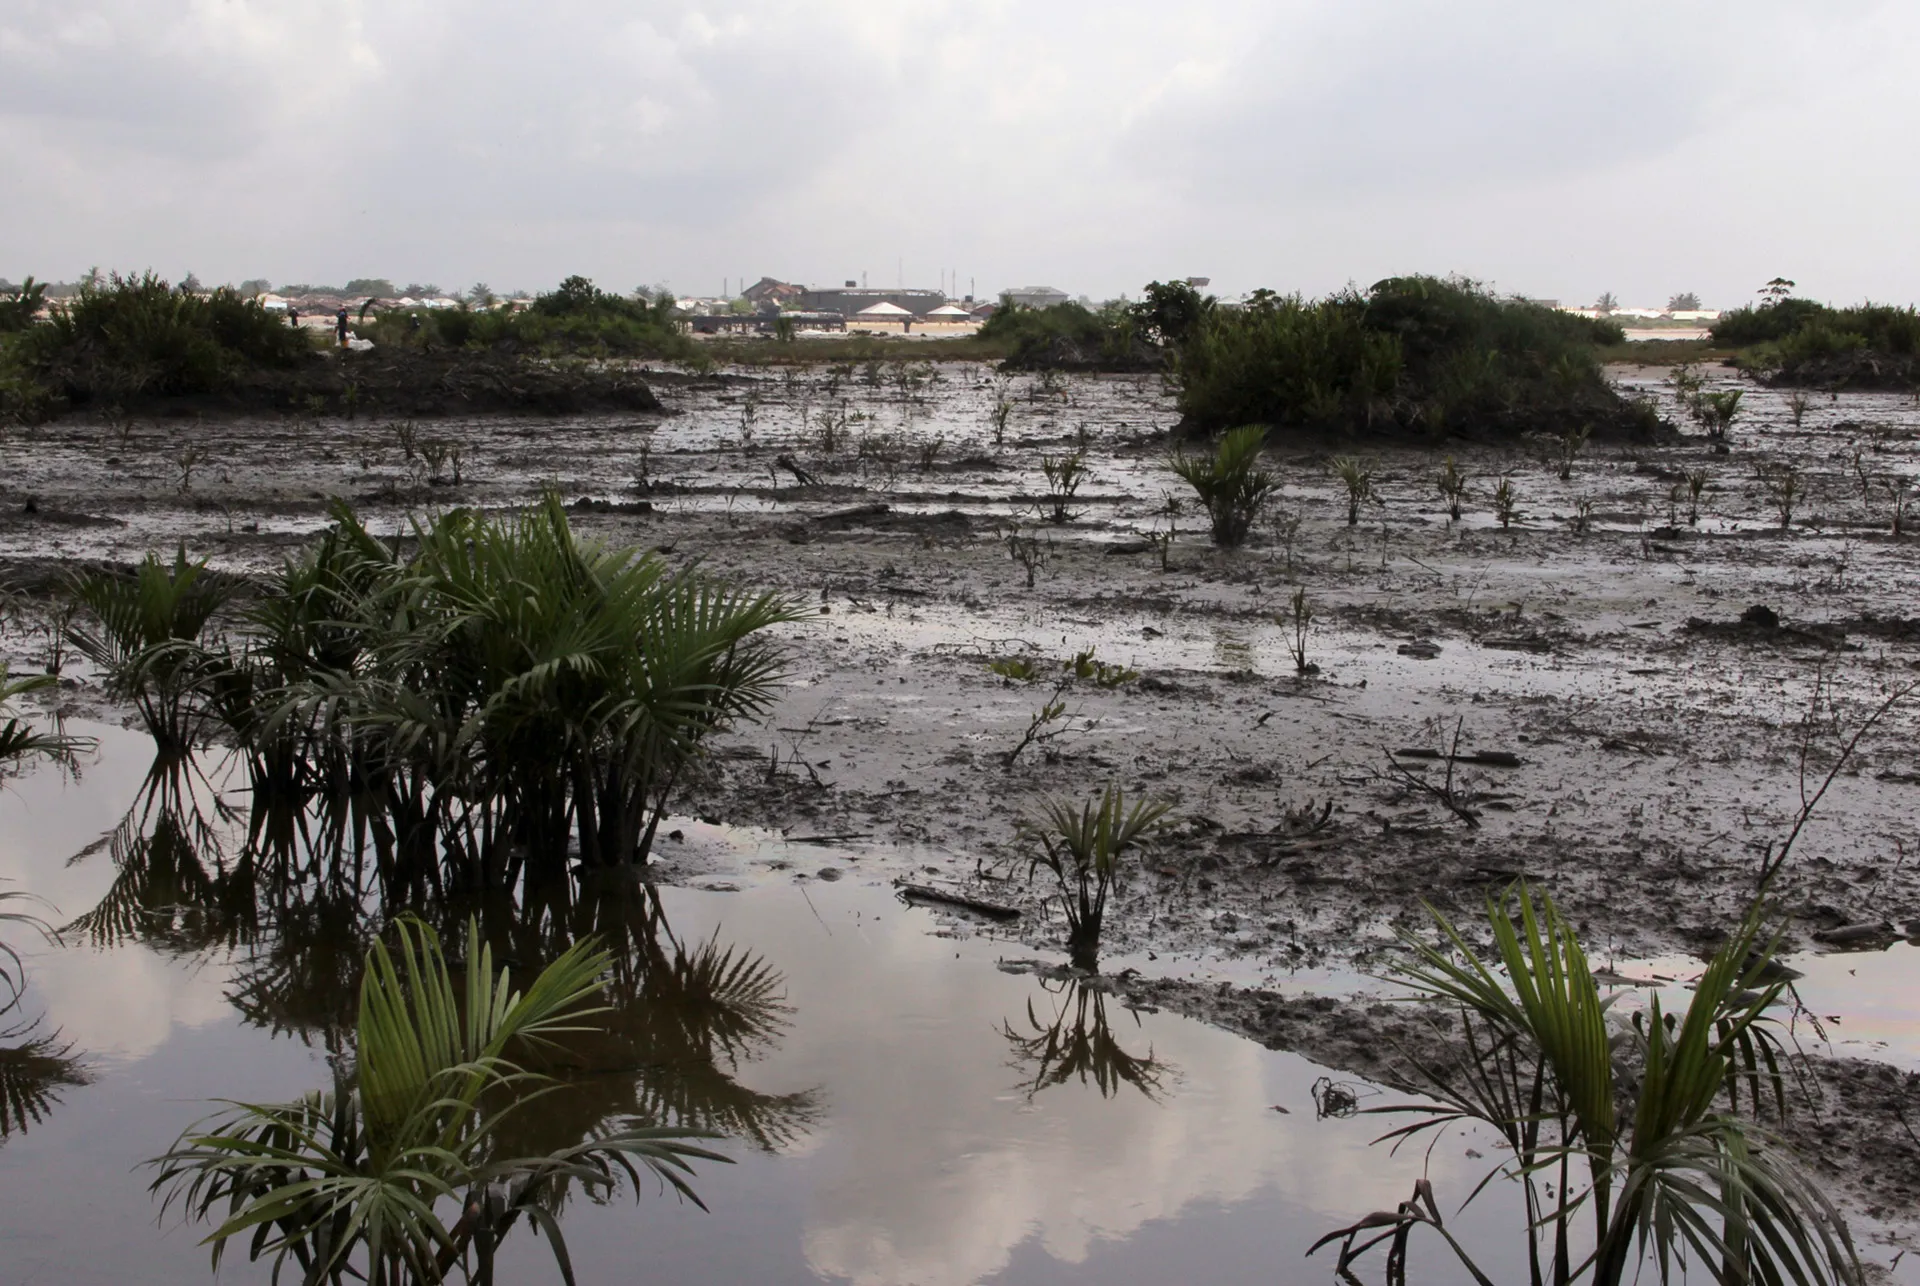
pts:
[1640, 739]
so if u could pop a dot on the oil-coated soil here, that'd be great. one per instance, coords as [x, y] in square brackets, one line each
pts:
[1583, 695]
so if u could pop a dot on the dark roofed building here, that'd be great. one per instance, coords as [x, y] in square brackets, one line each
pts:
[851, 300]
[780, 294]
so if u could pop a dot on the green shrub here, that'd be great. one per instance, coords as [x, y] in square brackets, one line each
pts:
[1784, 334]
[1768, 323]
[19, 306]
[1415, 353]
[1067, 336]
[576, 317]
[139, 336]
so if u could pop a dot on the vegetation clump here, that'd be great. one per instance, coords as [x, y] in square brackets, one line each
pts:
[136, 337]
[576, 317]
[1412, 356]
[505, 701]
[120, 343]
[1794, 342]
[1069, 337]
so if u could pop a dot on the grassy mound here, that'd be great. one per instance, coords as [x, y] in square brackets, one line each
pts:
[1418, 356]
[1804, 344]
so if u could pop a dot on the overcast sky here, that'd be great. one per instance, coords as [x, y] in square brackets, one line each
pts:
[1552, 149]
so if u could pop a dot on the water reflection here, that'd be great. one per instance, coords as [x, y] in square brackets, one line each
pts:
[740, 1012]
[1078, 1043]
[34, 1068]
[283, 897]
[173, 887]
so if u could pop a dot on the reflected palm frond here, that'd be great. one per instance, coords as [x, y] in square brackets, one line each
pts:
[1078, 1044]
[174, 886]
[33, 1071]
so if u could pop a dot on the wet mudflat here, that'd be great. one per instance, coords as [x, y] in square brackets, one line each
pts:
[912, 1125]
[1643, 737]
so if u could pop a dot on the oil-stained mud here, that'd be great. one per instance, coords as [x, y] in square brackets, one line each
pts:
[1624, 692]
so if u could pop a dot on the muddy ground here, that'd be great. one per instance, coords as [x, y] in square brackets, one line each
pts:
[1642, 736]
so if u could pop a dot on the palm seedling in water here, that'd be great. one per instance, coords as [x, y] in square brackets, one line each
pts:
[1571, 443]
[1453, 488]
[507, 694]
[1357, 474]
[1676, 1162]
[1082, 845]
[393, 1177]
[20, 740]
[1230, 483]
[1696, 483]
[1782, 482]
[145, 636]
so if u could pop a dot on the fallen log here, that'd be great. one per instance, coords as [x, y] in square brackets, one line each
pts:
[912, 893]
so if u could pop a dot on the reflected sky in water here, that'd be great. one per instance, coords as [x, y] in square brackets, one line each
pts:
[935, 1149]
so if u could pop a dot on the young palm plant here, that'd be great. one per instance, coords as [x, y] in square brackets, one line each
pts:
[1082, 846]
[358, 1183]
[1230, 482]
[1357, 474]
[1677, 1167]
[1453, 488]
[146, 637]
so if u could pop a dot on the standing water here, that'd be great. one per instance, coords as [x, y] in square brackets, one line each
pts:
[904, 1106]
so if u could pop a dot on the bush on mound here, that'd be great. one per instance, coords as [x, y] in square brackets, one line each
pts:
[1805, 344]
[139, 337]
[1420, 356]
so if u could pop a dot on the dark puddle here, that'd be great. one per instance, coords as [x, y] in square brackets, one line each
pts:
[902, 1106]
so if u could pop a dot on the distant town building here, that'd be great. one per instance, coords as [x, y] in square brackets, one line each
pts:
[780, 294]
[849, 301]
[1037, 297]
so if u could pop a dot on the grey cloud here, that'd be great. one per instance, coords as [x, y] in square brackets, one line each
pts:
[1411, 98]
[1095, 145]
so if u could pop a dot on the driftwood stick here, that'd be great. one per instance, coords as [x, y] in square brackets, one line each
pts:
[927, 893]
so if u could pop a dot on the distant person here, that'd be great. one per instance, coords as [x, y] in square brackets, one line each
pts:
[340, 325]
[293, 317]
